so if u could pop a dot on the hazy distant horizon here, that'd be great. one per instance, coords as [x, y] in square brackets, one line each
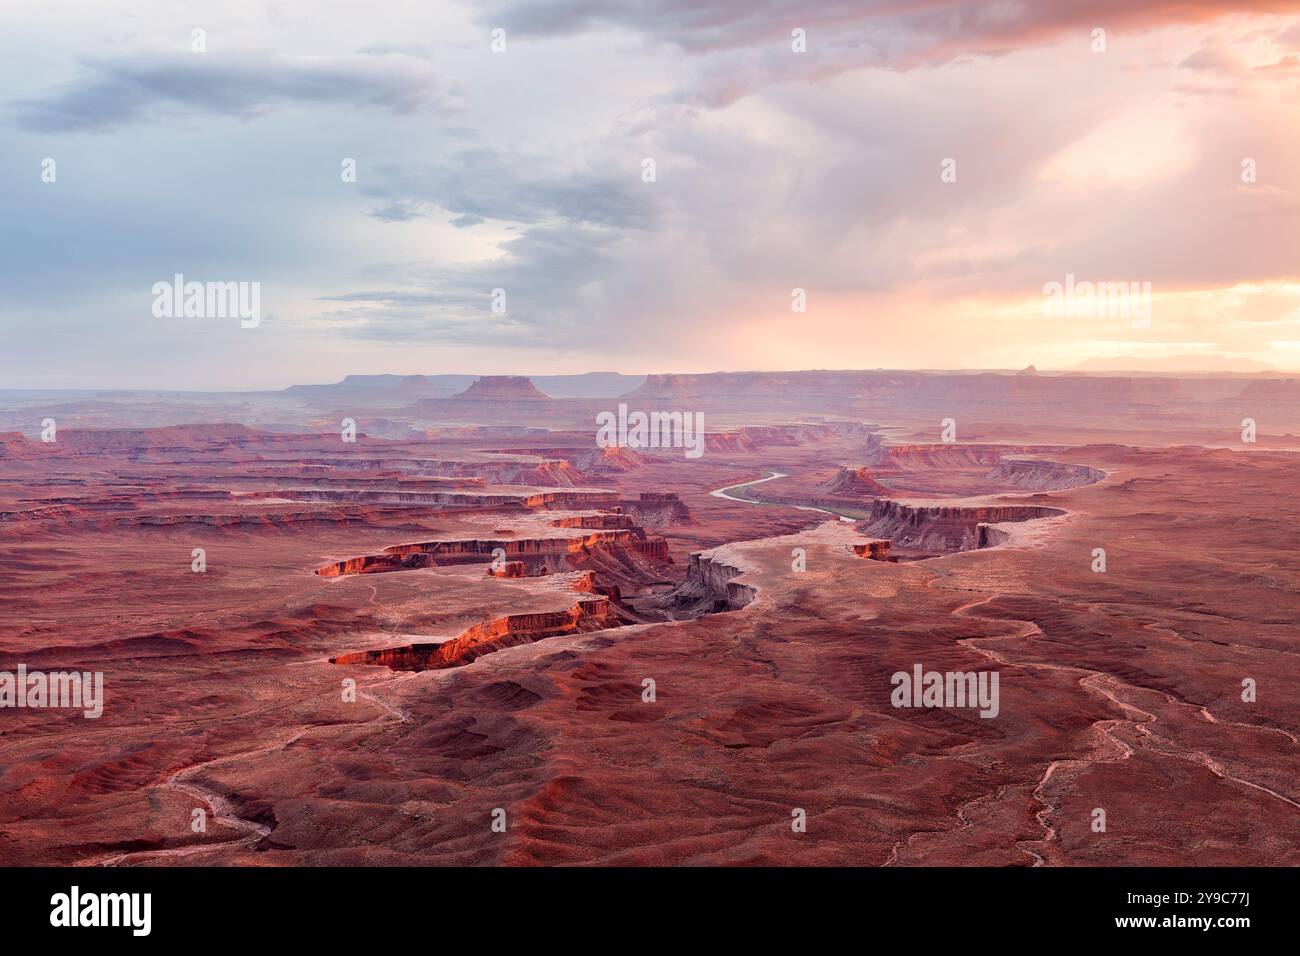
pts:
[1094, 372]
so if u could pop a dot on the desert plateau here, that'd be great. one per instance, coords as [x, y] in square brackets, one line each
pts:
[373, 645]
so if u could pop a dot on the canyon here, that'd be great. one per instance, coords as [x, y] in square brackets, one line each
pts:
[349, 652]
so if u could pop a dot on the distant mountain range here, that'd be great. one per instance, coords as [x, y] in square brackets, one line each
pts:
[410, 387]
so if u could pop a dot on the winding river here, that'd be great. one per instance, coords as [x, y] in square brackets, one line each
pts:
[724, 493]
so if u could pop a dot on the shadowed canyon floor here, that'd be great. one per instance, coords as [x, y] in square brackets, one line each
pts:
[501, 595]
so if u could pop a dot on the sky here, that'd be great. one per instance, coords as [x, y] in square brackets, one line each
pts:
[649, 182]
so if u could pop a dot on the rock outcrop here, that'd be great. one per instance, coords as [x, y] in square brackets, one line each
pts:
[589, 614]
[503, 470]
[611, 460]
[16, 446]
[658, 509]
[709, 588]
[874, 550]
[1040, 475]
[890, 459]
[173, 439]
[855, 481]
[757, 437]
[942, 529]
[624, 552]
[603, 521]
[457, 499]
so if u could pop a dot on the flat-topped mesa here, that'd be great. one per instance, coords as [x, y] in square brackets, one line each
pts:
[502, 388]
[943, 529]
[588, 614]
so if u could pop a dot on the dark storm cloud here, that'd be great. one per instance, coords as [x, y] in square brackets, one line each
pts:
[110, 93]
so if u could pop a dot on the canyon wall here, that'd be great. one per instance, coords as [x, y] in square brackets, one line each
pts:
[941, 529]
[708, 588]
[588, 614]
[1039, 475]
[873, 550]
[622, 551]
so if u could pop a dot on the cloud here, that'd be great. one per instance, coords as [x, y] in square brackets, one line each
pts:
[479, 184]
[111, 93]
[742, 45]
[551, 276]
[836, 188]
[1212, 58]
[1102, 166]
[399, 210]
[1290, 37]
[922, 29]
[556, 272]
[574, 217]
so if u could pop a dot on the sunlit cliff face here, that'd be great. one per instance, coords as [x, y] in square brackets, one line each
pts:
[831, 185]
